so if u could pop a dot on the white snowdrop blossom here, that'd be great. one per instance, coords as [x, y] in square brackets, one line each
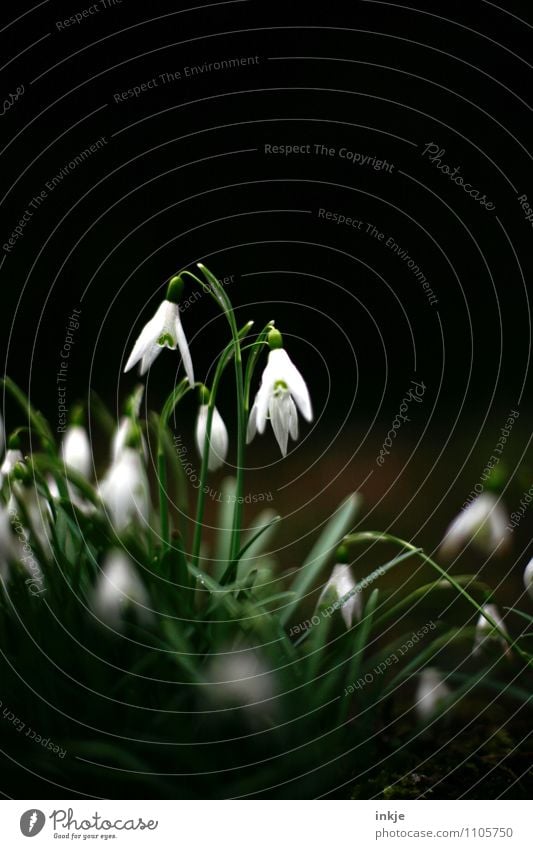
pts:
[431, 692]
[219, 441]
[121, 437]
[119, 587]
[340, 583]
[241, 679]
[125, 490]
[528, 578]
[482, 522]
[76, 450]
[282, 390]
[164, 330]
[485, 633]
[13, 456]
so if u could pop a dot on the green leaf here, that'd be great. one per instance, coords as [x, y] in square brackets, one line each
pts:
[328, 541]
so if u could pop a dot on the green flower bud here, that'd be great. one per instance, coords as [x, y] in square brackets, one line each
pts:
[203, 394]
[175, 289]
[275, 339]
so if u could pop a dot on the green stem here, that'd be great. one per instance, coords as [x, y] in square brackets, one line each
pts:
[376, 536]
[170, 404]
[225, 302]
[200, 507]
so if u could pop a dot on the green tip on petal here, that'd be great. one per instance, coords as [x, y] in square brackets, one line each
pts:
[21, 473]
[134, 437]
[132, 405]
[13, 443]
[203, 394]
[275, 339]
[166, 339]
[175, 289]
[78, 416]
[342, 554]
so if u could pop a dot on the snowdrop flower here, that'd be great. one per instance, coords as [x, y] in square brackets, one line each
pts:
[125, 490]
[485, 633]
[341, 582]
[117, 588]
[431, 692]
[127, 423]
[281, 386]
[12, 457]
[218, 442]
[76, 450]
[528, 578]
[483, 522]
[241, 679]
[164, 330]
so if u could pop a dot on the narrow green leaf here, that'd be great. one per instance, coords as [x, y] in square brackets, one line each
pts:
[328, 541]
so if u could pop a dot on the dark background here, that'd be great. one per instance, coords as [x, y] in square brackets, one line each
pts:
[184, 177]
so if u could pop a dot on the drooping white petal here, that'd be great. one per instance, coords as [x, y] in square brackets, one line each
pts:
[528, 578]
[184, 348]
[252, 423]
[125, 490]
[485, 633]
[293, 420]
[149, 357]
[149, 335]
[219, 441]
[483, 522]
[13, 456]
[431, 692]
[262, 400]
[291, 376]
[76, 450]
[342, 582]
[121, 436]
[118, 588]
[279, 412]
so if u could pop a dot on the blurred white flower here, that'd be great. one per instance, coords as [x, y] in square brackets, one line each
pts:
[485, 633]
[218, 447]
[340, 584]
[241, 679]
[431, 692]
[281, 386]
[13, 456]
[528, 578]
[164, 330]
[76, 450]
[121, 438]
[482, 522]
[119, 588]
[125, 490]
[8, 550]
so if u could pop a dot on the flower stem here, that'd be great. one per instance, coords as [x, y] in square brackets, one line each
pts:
[173, 399]
[200, 507]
